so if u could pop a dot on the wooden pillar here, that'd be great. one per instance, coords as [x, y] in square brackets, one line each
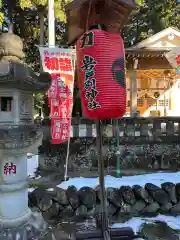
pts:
[133, 89]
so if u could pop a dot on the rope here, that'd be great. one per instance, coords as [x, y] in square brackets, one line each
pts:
[88, 15]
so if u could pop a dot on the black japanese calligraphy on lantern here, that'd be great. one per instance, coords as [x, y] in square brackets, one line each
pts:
[87, 40]
[88, 63]
[90, 84]
[89, 74]
[93, 105]
[91, 92]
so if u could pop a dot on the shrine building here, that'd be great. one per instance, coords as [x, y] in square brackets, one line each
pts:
[153, 86]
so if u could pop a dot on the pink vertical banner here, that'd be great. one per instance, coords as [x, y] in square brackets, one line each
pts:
[59, 63]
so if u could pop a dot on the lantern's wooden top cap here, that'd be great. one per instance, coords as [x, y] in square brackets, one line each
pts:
[86, 13]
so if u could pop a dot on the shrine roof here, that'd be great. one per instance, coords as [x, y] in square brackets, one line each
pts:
[157, 45]
[146, 53]
[168, 37]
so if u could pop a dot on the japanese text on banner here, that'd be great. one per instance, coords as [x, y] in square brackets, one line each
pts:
[59, 62]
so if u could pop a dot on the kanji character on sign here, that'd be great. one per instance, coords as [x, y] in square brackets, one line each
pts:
[55, 114]
[57, 135]
[93, 105]
[63, 137]
[8, 169]
[90, 84]
[65, 131]
[53, 83]
[63, 95]
[65, 126]
[52, 92]
[57, 123]
[55, 102]
[57, 130]
[64, 111]
[65, 65]
[87, 40]
[61, 83]
[91, 94]
[52, 63]
[89, 63]
[46, 53]
[89, 74]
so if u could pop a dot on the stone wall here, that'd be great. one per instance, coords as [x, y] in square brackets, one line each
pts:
[124, 202]
[83, 154]
[144, 143]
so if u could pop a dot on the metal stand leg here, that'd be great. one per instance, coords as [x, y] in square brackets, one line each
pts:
[104, 214]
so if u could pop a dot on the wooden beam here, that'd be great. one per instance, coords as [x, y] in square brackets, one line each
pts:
[133, 86]
[150, 63]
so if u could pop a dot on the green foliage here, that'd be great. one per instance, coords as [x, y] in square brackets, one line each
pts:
[26, 21]
[1, 18]
[59, 10]
[25, 4]
[150, 17]
[40, 2]
[139, 2]
[58, 6]
[39, 101]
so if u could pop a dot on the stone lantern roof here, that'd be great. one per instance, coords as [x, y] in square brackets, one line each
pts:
[13, 72]
[17, 84]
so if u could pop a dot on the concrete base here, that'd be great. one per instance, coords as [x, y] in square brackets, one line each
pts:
[34, 228]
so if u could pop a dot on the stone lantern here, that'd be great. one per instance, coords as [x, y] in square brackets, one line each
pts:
[18, 136]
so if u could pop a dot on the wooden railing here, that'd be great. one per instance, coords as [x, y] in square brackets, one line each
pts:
[132, 130]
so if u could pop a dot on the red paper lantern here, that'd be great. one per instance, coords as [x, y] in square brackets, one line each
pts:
[101, 74]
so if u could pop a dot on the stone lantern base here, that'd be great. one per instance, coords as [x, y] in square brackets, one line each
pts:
[34, 228]
[17, 221]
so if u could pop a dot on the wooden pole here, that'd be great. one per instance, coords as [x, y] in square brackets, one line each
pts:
[133, 89]
[104, 214]
[118, 159]
[51, 24]
[41, 39]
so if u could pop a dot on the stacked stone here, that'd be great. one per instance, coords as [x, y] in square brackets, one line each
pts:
[125, 201]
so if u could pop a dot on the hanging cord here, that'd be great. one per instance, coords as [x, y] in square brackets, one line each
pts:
[88, 15]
